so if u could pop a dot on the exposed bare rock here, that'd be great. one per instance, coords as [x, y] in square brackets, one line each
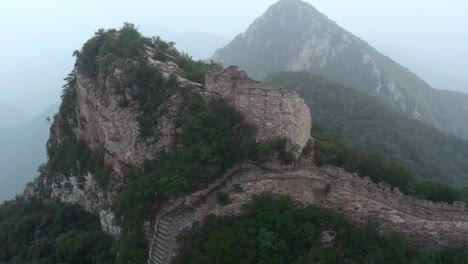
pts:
[107, 127]
[276, 113]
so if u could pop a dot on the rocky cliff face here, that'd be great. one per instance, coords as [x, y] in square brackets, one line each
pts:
[107, 128]
[113, 131]
[276, 113]
[99, 128]
[294, 36]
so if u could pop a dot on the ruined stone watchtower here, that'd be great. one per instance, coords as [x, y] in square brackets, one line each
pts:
[276, 113]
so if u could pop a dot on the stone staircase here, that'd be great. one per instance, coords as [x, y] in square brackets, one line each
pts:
[162, 240]
[174, 214]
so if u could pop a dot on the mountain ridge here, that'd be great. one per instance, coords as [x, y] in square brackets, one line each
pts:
[368, 125]
[23, 150]
[294, 36]
[149, 141]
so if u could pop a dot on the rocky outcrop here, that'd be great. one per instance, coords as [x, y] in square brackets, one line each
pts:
[276, 113]
[359, 199]
[112, 128]
[104, 113]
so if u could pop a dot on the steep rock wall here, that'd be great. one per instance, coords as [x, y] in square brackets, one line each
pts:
[276, 113]
[98, 118]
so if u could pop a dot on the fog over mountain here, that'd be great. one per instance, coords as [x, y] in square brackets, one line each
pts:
[292, 35]
[42, 34]
[158, 155]
[22, 151]
[10, 116]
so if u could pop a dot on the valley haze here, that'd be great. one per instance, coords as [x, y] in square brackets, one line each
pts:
[232, 132]
[429, 37]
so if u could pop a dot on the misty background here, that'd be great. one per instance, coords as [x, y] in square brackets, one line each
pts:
[38, 39]
[427, 36]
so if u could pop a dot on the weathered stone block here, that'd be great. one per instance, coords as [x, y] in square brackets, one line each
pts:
[276, 113]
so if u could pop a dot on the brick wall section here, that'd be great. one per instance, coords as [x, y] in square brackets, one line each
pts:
[361, 201]
[274, 112]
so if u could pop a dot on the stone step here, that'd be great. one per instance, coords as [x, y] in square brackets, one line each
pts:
[167, 218]
[155, 258]
[162, 238]
[165, 226]
[160, 247]
[158, 255]
[164, 231]
[162, 254]
[165, 223]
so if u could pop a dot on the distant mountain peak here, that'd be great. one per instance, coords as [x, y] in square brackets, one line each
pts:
[294, 36]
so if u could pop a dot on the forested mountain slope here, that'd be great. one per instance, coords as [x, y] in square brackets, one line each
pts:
[148, 141]
[293, 36]
[366, 124]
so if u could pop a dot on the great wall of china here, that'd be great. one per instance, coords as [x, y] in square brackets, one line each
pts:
[359, 199]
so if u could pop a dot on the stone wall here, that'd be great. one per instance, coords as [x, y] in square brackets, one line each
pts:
[274, 112]
[360, 200]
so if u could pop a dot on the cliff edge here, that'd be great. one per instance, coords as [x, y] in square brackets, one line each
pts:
[137, 142]
[117, 115]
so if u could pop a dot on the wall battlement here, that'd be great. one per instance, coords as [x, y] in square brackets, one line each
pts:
[276, 113]
[384, 193]
[358, 199]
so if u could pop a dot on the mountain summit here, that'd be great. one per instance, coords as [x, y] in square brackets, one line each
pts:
[293, 36]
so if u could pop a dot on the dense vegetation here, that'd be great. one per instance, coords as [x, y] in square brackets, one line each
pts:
[106, 47]
[213, 137]
[32, 232]
[110, 48]
[294, 36]
[153, 90]
[67, 107]
[333, 150]
[364, 123]
[193, 70]
[100, 54]
[271, 231]
[73, 157]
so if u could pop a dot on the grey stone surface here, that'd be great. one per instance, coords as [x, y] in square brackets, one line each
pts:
[276, 113]
[360, 200]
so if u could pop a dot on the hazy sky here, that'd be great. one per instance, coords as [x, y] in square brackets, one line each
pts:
[38, 37]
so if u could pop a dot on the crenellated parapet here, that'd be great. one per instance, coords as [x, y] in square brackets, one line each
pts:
[392, 196]
[358, 199]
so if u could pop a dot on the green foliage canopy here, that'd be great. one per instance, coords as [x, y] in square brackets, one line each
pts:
[367, 125]
[270, 230]
[32, 232]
